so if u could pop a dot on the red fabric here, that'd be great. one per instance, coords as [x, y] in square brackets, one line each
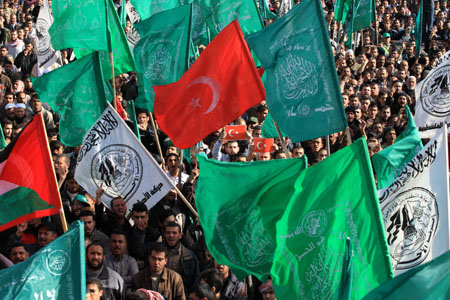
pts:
[120, 109]
[236, 132]
[262, 145]
[187, 109]
[29, 165]
[261, 71]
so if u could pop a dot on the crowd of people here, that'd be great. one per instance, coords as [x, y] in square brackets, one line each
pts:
[160, 252]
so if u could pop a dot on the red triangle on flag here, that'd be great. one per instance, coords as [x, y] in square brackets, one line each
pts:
[219, 87]
[28, 164]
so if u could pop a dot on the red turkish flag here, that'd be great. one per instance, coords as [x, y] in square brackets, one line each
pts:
[262, 145]
[219, 87]
[235, 132]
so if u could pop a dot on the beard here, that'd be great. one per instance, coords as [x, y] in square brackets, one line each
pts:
[95, 267]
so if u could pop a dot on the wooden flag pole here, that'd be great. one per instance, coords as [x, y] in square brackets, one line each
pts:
[111, 60]
[180, 168]
[157, 138]
[55, 183]
[327, 144]
[283, 143]
[186, 202]
[349, 137]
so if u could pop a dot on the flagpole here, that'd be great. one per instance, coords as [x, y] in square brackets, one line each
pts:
[283, 143]
[111, 56]
[349, 137]
[61, 211]
[157, 138]
[180, 168]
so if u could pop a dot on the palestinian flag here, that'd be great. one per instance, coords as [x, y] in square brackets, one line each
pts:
[28, 186]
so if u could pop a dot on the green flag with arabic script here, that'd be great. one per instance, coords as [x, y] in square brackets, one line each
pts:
[57, 271]
[147, 8]
[333, 200]
[162, 52]
[302, 89]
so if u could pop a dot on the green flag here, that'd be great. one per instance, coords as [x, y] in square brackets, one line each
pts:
[123, 14]
[132, 115]
[389, 162]
[362, 17]
[268, 129]
[418, 28]
[333, 200]
[199, 35]
[302, 89]
[341, 8]
[162, 52]
[80, 25]
[219, 13]
[266, 13]
[147, 8]
[57, 271]
[228, 196]
[123, 59]
[77, 92]
[430, 281]
[2, 139]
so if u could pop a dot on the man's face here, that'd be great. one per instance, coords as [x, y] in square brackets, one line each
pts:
[9, 98]
[172, 163]
[140, 219]
[263, 156]
[373, 111]
[257, 133]
[365, 104]
[157, 261]
[411, 82]
[18, 254]
[119, 207]
[298, 152]
[11, 113]
[268, 294]
[390, 136]
[73, 186]
[89, 224]
[118, 244]
[172, 236]
[193, 296]
[22, 98]
[20, 112]
[14, 36]
[374, 90]
[385, 113]
[92, 292]
[7, 66]
[232, 148]
[316, 144]
[45, 236]
[350, 116]
[222, 269]
[36, 105]
[61, 164]
[7, 130]
[94, 257]
[142, 118]
[358, 113]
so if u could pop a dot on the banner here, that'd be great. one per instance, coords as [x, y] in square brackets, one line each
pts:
[303, 91]
[415, 207]
[57, 271]
[113, 157]
[46, 55]
[433, 98]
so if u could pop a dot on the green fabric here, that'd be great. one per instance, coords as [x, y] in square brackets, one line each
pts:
[268, 129]
[123, 59]
[430, 281]
[389, 162]
[132, 115]
[18, 202]
[2, 139]
[363, 16]
[77, 92]
[219, 13]
[302, 89]
[79, 26]
[162, 52]
[348, 26]
[123, 14]
[57, 271]
[333, 200]
[147, 8]
[229, 197]
[266, 12]
[347, 272]
[418, 28]
[199, 33]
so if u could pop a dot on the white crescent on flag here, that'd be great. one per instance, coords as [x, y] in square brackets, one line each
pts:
[229, 133]
[215, 87]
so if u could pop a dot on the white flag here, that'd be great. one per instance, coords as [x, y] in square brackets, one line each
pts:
[46, 55]
[433, 97]
[132, 34]
[285, 7]
[415, 207]
[113, 157]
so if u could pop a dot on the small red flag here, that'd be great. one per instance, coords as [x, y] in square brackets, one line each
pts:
[219, 87]
[262, 145]
[235, 132]
[28, 187]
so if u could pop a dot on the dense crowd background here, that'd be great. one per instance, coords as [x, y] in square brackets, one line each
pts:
[163, 249]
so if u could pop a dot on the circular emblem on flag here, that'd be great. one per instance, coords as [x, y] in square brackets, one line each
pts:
[314, 223]
[434, 94]
[58, 262]
[157, 65]
[119, 168]
[411, 220]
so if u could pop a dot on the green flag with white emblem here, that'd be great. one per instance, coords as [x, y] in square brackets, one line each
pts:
[77, 92]
[57, 271]
[219, 13]
[147, 8]
[303, 91]
[333, 200]
[161, 53]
